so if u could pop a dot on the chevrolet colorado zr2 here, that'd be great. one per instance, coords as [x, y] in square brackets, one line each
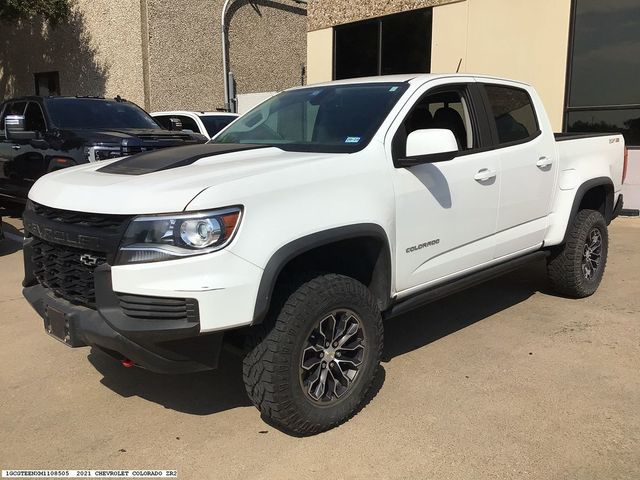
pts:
[302, 225]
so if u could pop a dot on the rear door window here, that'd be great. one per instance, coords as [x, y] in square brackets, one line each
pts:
[513, 112]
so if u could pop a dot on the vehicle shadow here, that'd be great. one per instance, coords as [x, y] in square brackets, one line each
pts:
[201, 393]
[432, 322]
[206, 393]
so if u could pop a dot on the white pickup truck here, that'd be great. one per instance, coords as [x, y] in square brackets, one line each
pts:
[309, 220]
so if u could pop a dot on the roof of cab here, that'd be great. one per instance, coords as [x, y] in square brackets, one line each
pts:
[409, 77]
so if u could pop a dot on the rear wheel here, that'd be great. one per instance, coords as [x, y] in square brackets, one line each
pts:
[314, 368]
[576, 268]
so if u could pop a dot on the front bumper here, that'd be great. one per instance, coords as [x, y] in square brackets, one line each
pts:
[160, 345]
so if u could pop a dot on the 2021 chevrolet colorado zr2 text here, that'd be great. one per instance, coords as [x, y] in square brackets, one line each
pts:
[307, 221]
[43, 134]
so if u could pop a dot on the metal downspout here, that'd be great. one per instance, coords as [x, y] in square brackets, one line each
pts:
[225, 53]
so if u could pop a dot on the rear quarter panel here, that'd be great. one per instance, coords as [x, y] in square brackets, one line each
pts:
[582, 160]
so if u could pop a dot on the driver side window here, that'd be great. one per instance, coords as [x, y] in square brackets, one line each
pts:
[445, 109]
[34, 118]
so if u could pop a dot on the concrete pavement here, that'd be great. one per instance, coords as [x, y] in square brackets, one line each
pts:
[503, 381]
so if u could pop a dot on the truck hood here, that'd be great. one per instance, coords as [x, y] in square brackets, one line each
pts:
[158, 182]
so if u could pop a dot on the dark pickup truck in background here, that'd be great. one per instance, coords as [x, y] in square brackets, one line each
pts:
[43, 134]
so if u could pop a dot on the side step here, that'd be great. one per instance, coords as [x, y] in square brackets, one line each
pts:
[440, 291]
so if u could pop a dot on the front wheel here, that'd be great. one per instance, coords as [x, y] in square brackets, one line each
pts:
[314, 368]
[576, 268]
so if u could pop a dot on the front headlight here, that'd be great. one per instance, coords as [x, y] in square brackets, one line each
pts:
[168, 237]
[103, 152]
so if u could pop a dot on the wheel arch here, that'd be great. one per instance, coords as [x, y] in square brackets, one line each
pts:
[342, 242]
[595, 194]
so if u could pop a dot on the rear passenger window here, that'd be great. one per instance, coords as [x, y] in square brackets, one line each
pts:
[513, 112]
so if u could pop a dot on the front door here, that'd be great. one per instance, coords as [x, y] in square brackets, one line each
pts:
[445, 212]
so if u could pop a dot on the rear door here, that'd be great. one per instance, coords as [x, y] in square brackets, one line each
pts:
[445, 212]
[528, 166]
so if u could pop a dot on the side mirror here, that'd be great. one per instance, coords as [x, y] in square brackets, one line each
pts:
[175, 124]
[14, 128]
[429, 146]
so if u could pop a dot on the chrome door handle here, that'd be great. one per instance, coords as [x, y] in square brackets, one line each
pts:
[544, 162]
[16, 147]
[484, 175]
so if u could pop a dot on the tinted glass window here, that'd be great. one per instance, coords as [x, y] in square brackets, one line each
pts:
[356, 50]
[188, 123]
[95, 113]
[513, 112]
[214, 124]
[606, 53]
[164, 121]
[406, 43]
[34, 119]
[624, 121]
[605, 63]
[398, 43]
[445, 110]
[337, 118]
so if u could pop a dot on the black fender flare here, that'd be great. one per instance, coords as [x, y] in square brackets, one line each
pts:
[581, 192]
[297, 247]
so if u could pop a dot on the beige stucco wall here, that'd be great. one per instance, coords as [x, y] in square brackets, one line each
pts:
[320, 55]
[516, 39]
[97, 52]
[266, 50]
[161, 54]
[328, 13]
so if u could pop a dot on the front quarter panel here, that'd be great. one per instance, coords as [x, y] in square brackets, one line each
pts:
[306, 198]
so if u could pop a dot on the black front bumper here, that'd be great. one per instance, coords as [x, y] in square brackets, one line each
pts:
[158, 344]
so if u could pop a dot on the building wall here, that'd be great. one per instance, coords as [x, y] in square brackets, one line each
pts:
[266, 50]
[320, 55]
[491, 38]
[161, 54]
[97, 52]
[328, 13]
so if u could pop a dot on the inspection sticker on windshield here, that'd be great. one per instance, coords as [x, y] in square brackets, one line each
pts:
[352, 140]
[393, 89]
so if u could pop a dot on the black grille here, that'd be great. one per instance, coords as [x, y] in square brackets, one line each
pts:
[92, 220]
[66, 271]
[159, 308]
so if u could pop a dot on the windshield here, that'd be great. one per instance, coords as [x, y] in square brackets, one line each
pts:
[335, 118]
[96, 113]
[215, 123]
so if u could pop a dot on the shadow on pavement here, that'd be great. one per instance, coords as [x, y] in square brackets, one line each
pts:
[432, 322]
[207, 393]
[201, 393]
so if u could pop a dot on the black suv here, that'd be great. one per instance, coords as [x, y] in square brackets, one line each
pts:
[42, 134]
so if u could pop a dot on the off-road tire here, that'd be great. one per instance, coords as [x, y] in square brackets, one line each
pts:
[564, 266]
[272, 370]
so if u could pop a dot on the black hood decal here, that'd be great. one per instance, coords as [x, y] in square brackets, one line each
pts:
[167, 158]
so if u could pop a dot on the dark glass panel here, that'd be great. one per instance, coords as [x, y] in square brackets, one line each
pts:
[406, 43]
[606, 53]
[356, 50]
[626, 122]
